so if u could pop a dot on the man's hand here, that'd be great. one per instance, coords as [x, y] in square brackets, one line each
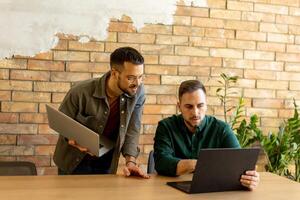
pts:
[131, 169]
[250, 179]
[82, 149]
[186, 166]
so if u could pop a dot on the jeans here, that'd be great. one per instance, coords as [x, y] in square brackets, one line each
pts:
[92, 165]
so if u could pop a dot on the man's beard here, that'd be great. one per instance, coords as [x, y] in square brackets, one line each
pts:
[125, 90]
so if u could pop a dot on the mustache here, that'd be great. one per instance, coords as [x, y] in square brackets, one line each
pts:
[132, 86]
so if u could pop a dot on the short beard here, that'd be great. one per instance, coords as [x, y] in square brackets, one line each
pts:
[124, 90]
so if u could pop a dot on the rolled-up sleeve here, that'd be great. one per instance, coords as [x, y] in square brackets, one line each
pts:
[164, 152]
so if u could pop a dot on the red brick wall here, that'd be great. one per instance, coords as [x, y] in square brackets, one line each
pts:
[258, 40]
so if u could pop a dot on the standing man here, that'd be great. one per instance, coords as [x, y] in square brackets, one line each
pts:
[111, 106]
[179, 138]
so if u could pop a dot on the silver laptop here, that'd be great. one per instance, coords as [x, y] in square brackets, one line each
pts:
[71, 129]
[219, 170]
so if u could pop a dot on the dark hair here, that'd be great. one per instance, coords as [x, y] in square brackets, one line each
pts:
[125, 54]
[190, 86]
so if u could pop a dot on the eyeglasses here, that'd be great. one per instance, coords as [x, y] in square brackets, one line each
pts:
[132, 78]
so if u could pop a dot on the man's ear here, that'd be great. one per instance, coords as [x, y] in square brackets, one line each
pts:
[178, 105]
[113, 73]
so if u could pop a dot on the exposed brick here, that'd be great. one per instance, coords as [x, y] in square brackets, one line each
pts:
[149, 129]
[238, 63]
[293, 49]
[89, 46]
[36, 118]
[191, 51]
[18, 128]
[181, 20]
[285, 19]
[159, 109]
[157, 49]
[271, 121]
[46, 170]
[160, 89]
[161, 69]
[111, 37]
[285, 2]
[58, 97]
[18, 107]
[31, 96]
[87, 67]
[111, 46]
[174, 60]
[37, 139]
[216, 3]
[286, 113]
[136, 38]
[228, 71]
[166, 39]
[292, 67]
[13, 63]
[288, 57]
[151, 79]
[8, 139]
[219, 33]
[151, 59]
[259, 74]
[297, 40]
[255, 36]
[191, 11]
[9, 118]
[245, 83]
[272, 27]
[174, 80]
[236, 5]
[241, 44]
[151, 119]
[44, 56]
[259, 55]
[61, 45]
[100, 57]
[188, 31]
[258, 17]
[259, 93]
[287, 94]
[226, 53]
[146, 139]
[51, 87]
[225, 14]
[15, 85]
[241, 25]
[167, 99]
[288, 76]
[275, 85]
[294, 85]
[151, 99]
[267, 8]
[46, 65]
[16, 150]
[262, 112]
[294, 30]
[268, 65]
[295, 11]
[156, 29]
[194, 70]
[29, 75]
[207, 42]
[121, 27]
[206, 61]
[45, 129]
[71, 56]
[268, 46]
[282, 38]
[44, 150]
[4, 73]
[268, 103]
[42, 106]
[5, 95]
[69, 76]
[207, 22]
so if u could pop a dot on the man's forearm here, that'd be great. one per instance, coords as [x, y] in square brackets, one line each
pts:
[130, 159]
[185, 166]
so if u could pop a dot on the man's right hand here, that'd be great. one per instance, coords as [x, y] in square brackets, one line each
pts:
[186, 166]
[82, 149]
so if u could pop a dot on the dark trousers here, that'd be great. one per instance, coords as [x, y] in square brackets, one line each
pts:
[92, 165]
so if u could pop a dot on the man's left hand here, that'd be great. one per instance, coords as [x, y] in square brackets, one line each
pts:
[133, 170]
[250, 179]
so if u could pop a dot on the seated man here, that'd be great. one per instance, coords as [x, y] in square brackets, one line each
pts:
[179, 138]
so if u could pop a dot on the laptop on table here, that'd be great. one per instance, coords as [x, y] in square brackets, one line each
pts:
[219, 170]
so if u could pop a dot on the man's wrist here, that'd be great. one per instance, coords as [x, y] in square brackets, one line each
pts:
[130, 162]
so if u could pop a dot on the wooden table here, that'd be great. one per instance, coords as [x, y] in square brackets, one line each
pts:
[118, 187]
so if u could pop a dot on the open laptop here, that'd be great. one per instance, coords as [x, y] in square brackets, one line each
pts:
[71, 129]
[219, 170]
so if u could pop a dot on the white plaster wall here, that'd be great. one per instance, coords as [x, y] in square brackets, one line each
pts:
[29, 26]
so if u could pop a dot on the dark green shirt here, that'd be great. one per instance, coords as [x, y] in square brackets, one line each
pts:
[173, 141]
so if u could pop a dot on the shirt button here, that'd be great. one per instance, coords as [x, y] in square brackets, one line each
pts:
[122, 126]
[105, 112]
[122, 99]
[77, 159]
[122, 111]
